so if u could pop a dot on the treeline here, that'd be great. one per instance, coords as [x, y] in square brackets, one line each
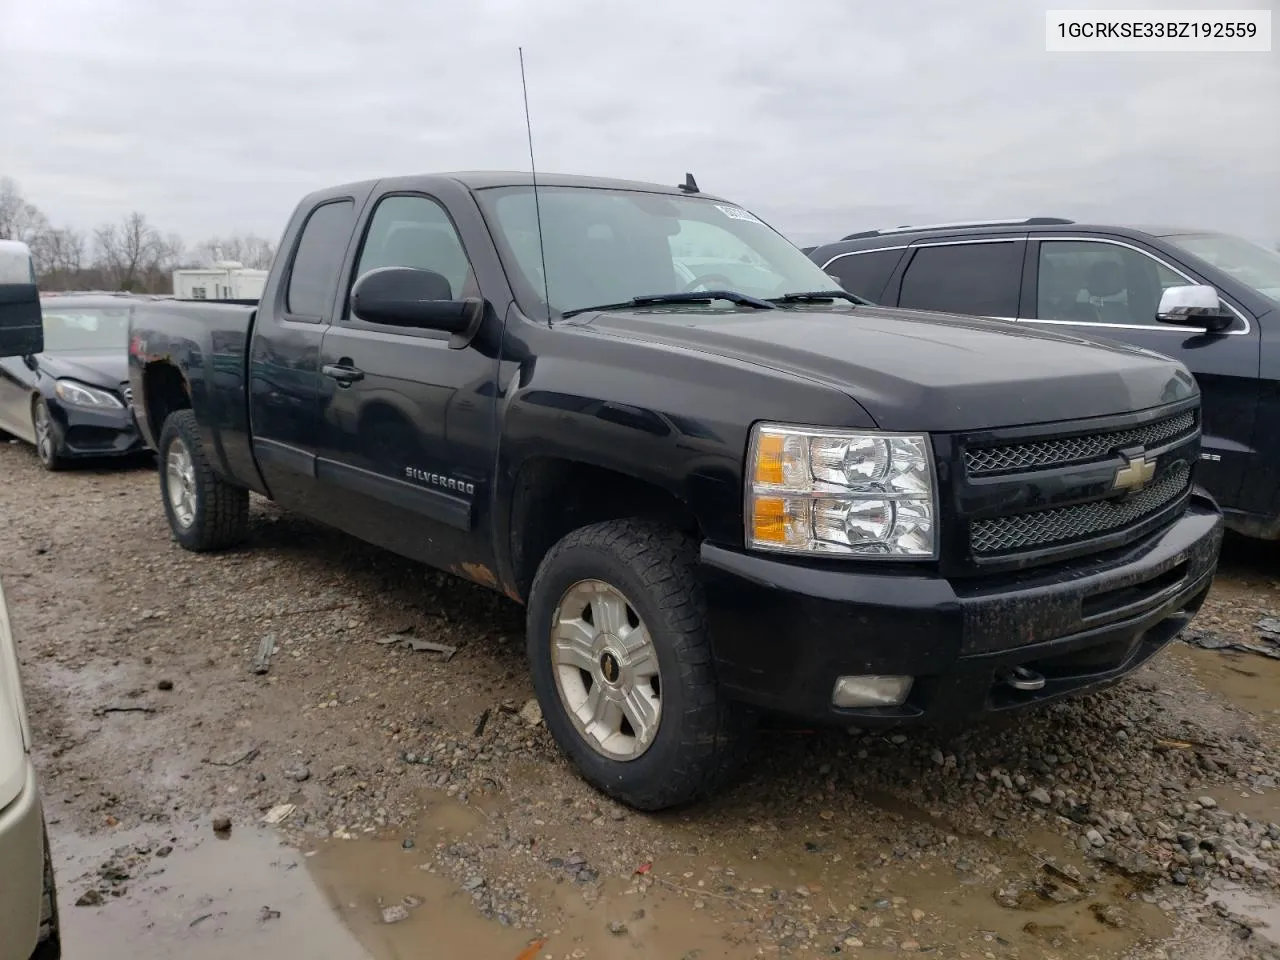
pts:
[132, 255]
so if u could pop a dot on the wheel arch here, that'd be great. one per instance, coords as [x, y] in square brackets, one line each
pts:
[553, 496]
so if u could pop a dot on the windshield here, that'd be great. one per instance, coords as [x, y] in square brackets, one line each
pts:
[71, 327]
[1254, 266]
[610, 246]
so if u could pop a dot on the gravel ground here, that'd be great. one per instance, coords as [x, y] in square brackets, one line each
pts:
[1140, 822]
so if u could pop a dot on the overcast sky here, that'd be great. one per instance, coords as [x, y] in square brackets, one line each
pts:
[823, 116]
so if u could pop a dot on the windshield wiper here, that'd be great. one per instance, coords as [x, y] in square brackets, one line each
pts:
[692, 296]
[821, 296]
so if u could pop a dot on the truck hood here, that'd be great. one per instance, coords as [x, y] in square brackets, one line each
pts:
[917, 370]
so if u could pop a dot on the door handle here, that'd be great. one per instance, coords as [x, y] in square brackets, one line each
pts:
[345, 375]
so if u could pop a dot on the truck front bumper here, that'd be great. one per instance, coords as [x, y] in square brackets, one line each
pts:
[785, 632]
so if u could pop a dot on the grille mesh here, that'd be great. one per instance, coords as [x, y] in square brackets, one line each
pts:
[1046, 453]
[1024, 530]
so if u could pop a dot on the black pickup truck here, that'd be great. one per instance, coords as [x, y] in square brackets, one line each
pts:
[718, 483]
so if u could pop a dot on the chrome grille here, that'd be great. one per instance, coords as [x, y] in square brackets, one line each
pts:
[1044, 527]
[1049, 453]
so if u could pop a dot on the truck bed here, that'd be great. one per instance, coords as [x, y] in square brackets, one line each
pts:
[207, 340]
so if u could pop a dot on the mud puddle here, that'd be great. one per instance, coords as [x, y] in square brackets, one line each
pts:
[1262, 806]
[629, 918]
[155, 893]
[198, 897]
[1248, 681]
[1017, 897]
[1253, 908]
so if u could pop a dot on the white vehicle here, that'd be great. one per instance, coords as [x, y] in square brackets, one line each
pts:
[16, 264]
[225, 280]
[28, 897]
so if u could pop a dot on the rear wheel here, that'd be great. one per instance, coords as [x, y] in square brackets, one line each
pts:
[205, 512]
[48, 442]
[620, 653]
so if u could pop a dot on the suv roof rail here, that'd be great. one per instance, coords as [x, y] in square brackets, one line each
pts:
[910, 228]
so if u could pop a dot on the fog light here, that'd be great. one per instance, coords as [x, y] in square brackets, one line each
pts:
[871, 691]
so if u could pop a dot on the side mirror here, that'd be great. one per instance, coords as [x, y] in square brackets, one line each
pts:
[1193, 306]
[21, 326]
[407, 297]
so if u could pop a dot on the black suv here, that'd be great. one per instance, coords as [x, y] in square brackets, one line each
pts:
[1147, 286]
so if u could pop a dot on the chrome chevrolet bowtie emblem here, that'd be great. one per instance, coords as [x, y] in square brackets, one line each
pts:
[1135, 474]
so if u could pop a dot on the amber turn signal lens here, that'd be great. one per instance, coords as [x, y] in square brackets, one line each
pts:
[769, 519]
[769, 453]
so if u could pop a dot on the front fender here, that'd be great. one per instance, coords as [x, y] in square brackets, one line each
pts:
[673, 418]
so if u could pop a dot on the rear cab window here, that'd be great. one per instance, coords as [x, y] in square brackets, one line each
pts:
[982, 279]
[313, 277]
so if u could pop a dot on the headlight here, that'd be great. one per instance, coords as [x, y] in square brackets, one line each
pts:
[857, 493]
[82, 395]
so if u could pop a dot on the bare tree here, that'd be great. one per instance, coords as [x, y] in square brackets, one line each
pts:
[59, 257]
[247, 249]
[128, 255]
[19, 220]
[129, 251]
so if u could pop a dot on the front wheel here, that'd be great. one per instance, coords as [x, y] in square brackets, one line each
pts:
[621, 658]
[205, 512]
[47, 439]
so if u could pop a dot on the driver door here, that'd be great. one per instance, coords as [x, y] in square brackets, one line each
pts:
[406, 445]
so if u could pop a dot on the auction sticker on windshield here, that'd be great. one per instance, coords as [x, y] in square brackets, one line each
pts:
[737, 213]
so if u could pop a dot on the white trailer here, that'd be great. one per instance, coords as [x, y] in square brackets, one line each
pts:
[225, 280]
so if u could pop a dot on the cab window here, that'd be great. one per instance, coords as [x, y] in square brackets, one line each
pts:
[416, 232]
[313, 278]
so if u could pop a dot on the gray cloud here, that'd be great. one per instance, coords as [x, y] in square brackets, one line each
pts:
[824, 116]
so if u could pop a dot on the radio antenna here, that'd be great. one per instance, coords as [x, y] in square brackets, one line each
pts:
[537, 207]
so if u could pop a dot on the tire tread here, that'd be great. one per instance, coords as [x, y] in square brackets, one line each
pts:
[222, 509]
[715, 731]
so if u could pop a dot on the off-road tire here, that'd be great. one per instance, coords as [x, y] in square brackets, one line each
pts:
[703, 737]
[49, 944]
[221, 509]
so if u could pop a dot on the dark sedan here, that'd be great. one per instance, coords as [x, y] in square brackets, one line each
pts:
[72, 401]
